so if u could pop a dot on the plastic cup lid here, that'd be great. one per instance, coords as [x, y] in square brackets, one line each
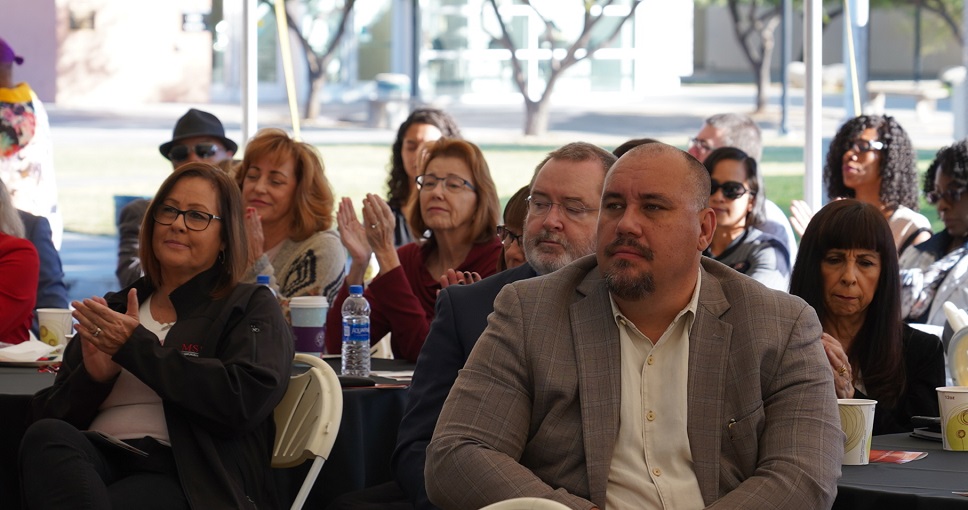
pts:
[308, 302]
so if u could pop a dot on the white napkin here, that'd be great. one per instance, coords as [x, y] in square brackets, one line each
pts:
[31, 350]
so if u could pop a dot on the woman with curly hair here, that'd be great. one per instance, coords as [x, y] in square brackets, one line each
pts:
[871, 159]
[289, 217]
[423, 125]
[937, 270]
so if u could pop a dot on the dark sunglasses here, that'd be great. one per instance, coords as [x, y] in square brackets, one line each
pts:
[202, 150]
[860, 146]
[952, 196]
[731, 189]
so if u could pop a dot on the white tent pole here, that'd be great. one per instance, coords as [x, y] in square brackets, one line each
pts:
[250, 90]
[813, 105]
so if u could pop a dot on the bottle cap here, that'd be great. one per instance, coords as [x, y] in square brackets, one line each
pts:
[356, 289]
[262, 279]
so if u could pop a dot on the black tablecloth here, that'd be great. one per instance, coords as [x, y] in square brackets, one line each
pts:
[922, 484]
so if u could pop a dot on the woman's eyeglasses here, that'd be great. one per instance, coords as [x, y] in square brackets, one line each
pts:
[731, 189]
[194, 220]
[860, 146]
[452, 183]
[508, 237]
[952, 196]
[202, 150]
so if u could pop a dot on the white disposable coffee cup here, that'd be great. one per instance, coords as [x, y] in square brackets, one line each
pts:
[857, 422]
[307, 314]
[55, 325]
[953, 401]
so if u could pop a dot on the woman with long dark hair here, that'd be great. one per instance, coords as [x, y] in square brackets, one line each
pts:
[422, 126]
[847, 271]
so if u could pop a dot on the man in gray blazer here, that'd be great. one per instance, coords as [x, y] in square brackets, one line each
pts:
[643, 376]
[570, 176]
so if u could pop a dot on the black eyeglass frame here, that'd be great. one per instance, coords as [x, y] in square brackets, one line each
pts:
[505, 233]
[178, 212]
[952, 195]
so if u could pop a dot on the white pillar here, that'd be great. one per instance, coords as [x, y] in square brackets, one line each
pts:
[812, 150]
[250, 72]
[855, 38]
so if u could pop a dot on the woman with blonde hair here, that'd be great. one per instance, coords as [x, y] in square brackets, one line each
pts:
[289, 217]
[19, 271]
[457, 208]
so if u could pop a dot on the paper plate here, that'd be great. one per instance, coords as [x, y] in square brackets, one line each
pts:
[958, 357]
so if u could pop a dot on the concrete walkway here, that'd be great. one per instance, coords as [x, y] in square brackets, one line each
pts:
[89, 261]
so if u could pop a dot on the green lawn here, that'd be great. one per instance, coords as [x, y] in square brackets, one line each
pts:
[88, 180]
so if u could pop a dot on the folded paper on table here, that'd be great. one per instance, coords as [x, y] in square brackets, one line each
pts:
[896, 457]
[31, 350]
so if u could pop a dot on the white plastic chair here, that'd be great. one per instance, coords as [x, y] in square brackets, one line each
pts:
[526, 504]
[382, 349]
[307, 421]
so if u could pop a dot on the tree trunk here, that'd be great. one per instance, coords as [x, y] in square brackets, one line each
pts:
[316, 84]
[536, 116]
[763, 73]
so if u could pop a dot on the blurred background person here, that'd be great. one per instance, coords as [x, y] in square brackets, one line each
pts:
[19, 267]
[289, 217]
[457, 203]
[423, 125]
[737, 197]
[26, 148]
[847, 271]
[937, 270]
[871, 159]
[197, 136]
[510, 232]
[51, 290]
[186, 365]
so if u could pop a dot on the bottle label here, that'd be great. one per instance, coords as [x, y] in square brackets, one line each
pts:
[356, 332]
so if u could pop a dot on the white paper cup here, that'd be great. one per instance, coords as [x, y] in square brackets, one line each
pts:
[857, 422]
[307, 314]
[953, 401]
[55, 325]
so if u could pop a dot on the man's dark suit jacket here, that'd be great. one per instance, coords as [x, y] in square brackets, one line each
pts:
[461, 317]
[51, 291]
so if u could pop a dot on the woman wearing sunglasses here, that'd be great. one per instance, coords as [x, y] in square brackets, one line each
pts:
[289, 215]
[512, 254]
[737, 198]
[937, 270]
[871, 159]
[457, 205]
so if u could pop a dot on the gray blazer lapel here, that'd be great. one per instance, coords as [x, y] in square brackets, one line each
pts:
[708, 358]
[599, 378]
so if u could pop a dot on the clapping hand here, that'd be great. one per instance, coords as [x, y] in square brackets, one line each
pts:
[352, 233]
[253, 229]
[451, 277]
[103, 331]
[800, 214]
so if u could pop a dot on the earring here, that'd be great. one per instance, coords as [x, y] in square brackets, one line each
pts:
[221, 257]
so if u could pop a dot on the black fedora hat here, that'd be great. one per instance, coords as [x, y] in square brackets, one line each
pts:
[197, 123]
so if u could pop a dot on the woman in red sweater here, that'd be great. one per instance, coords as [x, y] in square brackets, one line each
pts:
[19, 271]
[457, 213]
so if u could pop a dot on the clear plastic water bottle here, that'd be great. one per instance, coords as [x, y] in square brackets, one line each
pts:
[263, 279]
[356, 333]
